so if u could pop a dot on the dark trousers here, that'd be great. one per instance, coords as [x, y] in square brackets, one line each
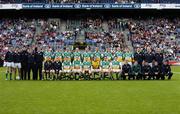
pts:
[30, 68]
[146, 76]
[137, 76]
[40, 71]
[37, 70]
[23, 71]
[169, 75]
[156, 76]
[123, 76]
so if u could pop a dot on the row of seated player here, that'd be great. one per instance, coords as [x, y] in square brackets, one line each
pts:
[99, 71]
[90, 1]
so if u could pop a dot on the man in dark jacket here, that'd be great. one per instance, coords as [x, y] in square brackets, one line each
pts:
[126, 70]
[166, 70]
[159, 57]
[24, 63]
[139, 56]
[146, 70]
[136, 71]
[30, 62]
[156, 71]
[38, 62]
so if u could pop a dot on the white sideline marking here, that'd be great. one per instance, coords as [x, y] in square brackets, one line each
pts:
[176, 72]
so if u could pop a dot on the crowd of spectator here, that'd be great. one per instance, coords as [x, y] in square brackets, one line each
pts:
[157, 33]
[89, 1]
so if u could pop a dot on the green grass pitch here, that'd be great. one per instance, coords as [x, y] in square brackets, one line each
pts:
[90, 97]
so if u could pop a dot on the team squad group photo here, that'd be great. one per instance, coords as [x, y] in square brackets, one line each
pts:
[89, 64]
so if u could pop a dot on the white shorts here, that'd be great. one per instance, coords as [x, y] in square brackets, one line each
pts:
[17, 65]
[66, 71]
[8, 64]
[95, 70]
[5, 64]
[105, 70]
[116, 70]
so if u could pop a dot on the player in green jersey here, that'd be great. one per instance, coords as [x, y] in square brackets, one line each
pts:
[66, 68]
[48, 55]
[77, 54]
[116, 68]
[87, 55]
[97, 54]
[58, 55]
[86, 69]
[119, 54]
[105, 69]
[67, 54]
[77, 68]
[128, 56]
[107, 54]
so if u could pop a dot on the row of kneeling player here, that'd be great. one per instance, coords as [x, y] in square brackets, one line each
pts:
[95, 70]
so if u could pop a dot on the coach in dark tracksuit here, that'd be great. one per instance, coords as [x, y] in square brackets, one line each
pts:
[30, 63]
[159, 57]
[126, 71]
[156, 69]
[38, 62]
[149, 57]
[146, 71]
[166, 70]
[138, 56]
[24, 64]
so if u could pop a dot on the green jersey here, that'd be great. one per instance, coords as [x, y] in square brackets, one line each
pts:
[115, 64]
[58, 54]
[48, 55]
[87, 55]
[128, 56]
[76, 63]
[66, 64]
[77, 55]
[86, 64]
[97, 54]
[105, 64]
[108, 55]
[67, 54]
